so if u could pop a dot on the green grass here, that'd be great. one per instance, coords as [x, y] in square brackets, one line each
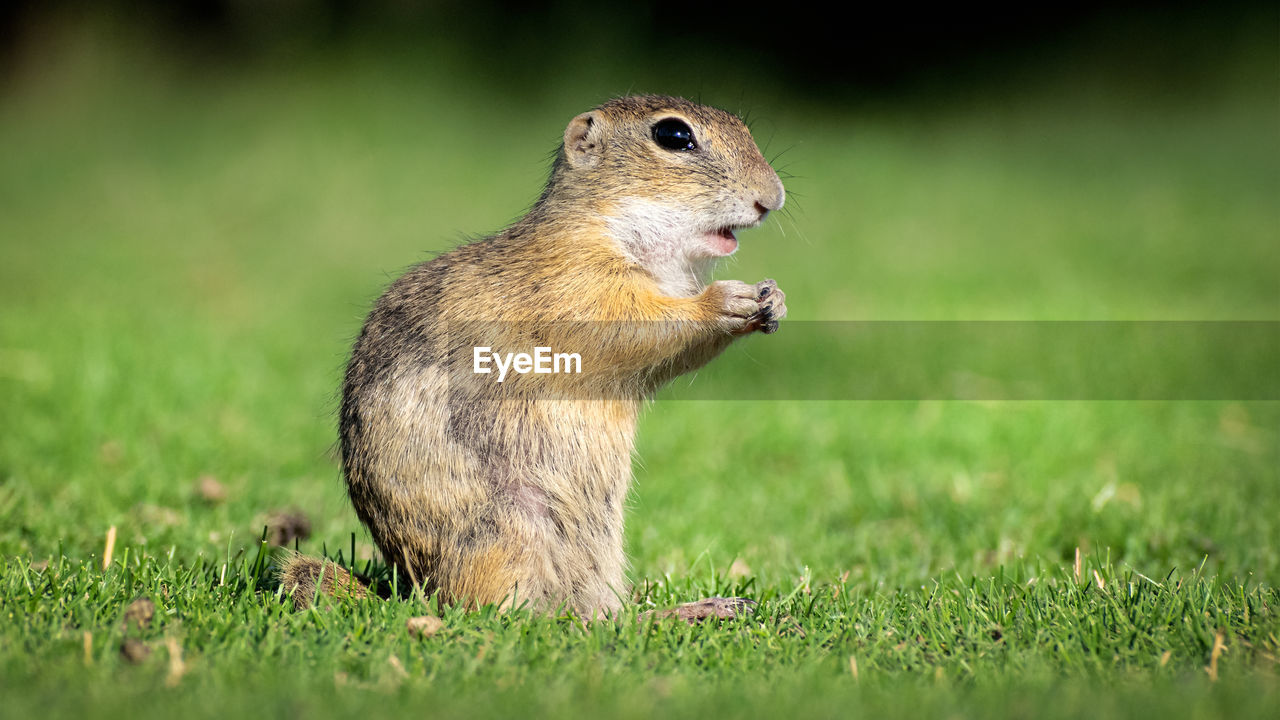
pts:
[1046, 644]
[185, 256]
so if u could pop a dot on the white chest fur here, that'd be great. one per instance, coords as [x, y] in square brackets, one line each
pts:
[667, 241]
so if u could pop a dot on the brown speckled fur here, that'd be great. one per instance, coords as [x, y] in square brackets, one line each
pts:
[302, 573]
[514, 492]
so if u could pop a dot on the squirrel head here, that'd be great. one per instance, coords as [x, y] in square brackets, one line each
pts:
[674, 180]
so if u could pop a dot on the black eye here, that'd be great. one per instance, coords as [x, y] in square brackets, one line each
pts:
[674, 134]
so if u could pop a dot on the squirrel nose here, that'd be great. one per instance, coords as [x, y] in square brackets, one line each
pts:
[772, 198]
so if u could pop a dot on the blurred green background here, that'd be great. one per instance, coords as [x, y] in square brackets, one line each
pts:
[199, 202]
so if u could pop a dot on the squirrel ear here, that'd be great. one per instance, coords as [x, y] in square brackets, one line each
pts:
[582, 140]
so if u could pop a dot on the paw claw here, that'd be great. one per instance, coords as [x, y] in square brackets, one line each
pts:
[773, 306]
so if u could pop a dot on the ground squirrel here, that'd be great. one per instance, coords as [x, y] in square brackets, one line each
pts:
[508, 487]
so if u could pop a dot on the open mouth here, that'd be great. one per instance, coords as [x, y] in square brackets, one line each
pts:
[723, 241]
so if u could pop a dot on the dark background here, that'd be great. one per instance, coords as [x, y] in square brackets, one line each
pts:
[790, 48]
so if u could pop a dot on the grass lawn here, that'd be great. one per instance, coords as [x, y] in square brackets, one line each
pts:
[185, 258]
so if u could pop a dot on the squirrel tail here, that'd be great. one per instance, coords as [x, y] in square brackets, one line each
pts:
[300, 575]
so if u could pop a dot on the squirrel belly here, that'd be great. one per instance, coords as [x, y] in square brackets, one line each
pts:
[513, 492]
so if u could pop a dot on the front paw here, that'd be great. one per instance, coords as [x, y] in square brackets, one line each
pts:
[737, 306]
[773, 306]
